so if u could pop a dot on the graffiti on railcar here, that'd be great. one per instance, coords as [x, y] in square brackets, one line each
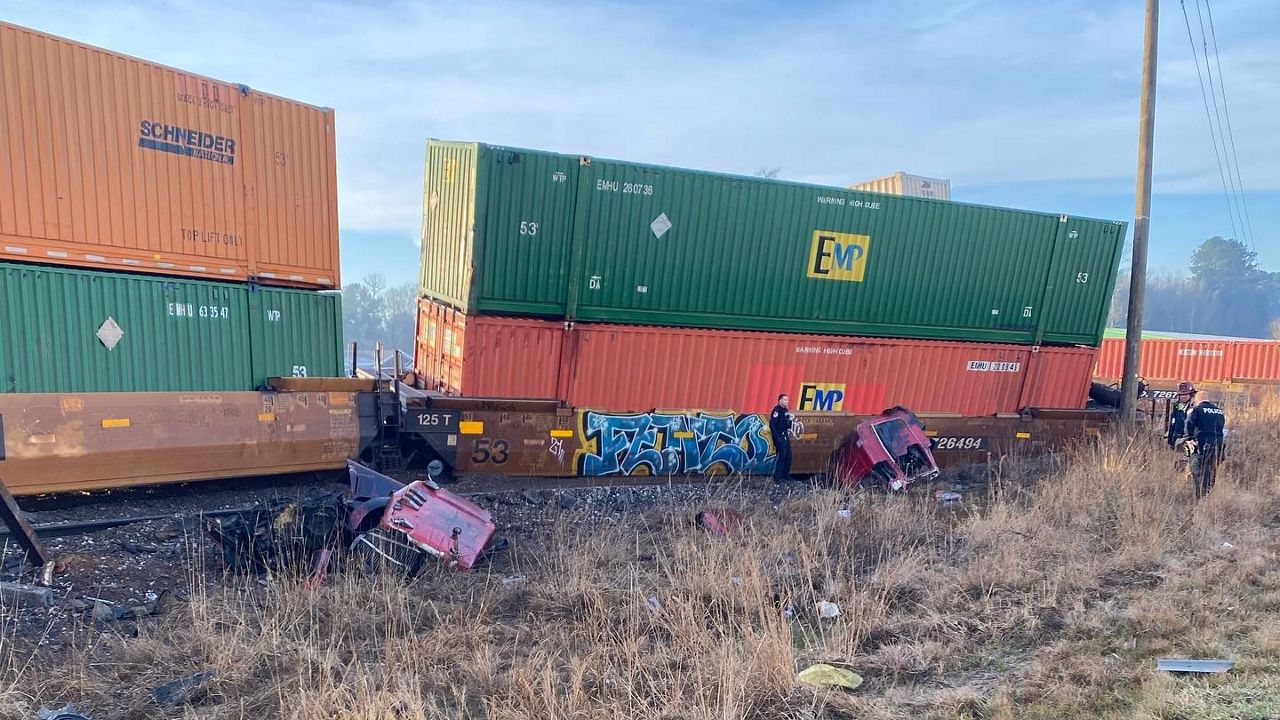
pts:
[673, 443]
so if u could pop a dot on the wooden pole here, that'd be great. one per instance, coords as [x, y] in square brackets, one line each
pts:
[1141, 225]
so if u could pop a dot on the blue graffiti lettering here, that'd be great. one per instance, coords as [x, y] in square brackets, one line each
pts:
[673, 444]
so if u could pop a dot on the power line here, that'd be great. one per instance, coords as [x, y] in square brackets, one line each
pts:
[1217, 113]
[1222, 87]
[1212, 136]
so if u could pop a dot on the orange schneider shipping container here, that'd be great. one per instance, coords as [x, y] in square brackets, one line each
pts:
[107, 161]
[1169, 360]
[624, 368]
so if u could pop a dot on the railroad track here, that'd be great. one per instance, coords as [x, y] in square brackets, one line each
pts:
[472, 488]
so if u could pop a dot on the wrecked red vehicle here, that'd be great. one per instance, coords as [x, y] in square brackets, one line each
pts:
[890, 449]
[403, 525]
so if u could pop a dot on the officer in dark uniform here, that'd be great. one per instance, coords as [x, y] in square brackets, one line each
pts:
[1178, 418]
[780, 427]
[1206, 425]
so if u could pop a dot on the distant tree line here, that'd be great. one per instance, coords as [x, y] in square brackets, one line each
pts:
[373, 312]
[1226, 293]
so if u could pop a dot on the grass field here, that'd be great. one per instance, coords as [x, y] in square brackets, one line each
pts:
[1048, 594]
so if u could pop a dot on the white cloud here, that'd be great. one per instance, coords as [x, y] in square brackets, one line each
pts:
[982, 92]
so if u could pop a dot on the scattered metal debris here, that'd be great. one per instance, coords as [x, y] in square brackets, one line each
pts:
[280, 535]
[947, 497]
[105, 611]
[67, 712]
[183, 690]
[720, 523]
[824, 675]
[1186, 665]
[828, 610]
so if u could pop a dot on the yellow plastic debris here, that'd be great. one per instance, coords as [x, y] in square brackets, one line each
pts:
[824, 675]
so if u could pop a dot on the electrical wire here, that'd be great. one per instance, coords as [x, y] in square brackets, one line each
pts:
[1212, 136]
[1217, 113]
[1226, 110]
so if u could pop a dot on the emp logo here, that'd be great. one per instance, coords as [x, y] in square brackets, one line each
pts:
[838, 256]
[823, 397]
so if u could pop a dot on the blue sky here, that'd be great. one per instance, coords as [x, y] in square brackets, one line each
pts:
[1024, 104]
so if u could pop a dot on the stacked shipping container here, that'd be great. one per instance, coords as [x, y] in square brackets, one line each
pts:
[1170, 360]
[110, 163]
[583, 279]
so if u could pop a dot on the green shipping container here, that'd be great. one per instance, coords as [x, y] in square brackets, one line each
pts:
[295, 333]
[525, 232]
[69, 330]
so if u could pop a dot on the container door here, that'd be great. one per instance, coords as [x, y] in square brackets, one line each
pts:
[1080, 285]
[523, 231]
[295, 333]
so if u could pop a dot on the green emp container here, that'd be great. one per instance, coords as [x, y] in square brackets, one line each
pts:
[526, 232]
[88, 331]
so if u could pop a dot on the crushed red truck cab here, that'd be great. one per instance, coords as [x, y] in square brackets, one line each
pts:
[401, 524]
[890, 449]
[439, 523]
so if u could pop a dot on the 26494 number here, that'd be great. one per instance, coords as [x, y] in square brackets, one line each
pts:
[959, 443]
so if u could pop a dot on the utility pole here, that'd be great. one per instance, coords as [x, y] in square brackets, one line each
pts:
[1141, 226]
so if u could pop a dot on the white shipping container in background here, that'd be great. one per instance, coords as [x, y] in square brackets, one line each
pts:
[901, 183]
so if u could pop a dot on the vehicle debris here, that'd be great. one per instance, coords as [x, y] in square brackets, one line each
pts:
[890, 449]
[67, 712]
[824, 675]
[947, 497]
[1187, 665]
[720, 523]
[183, 690]
[513, 579]
[105, 611]
[414, 522]
[280, 535]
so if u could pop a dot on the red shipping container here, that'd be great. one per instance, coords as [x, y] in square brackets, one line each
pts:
[1256, 361]
[1166, 360]
[1170, 360]
[624, 367]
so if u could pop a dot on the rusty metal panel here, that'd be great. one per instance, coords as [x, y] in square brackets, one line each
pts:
[600, 444]
[86, 441]
[635, 367]
[111, 162]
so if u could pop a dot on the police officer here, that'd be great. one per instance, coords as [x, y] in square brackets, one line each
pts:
[780, 426]
[1205, 429]
[1181, 406]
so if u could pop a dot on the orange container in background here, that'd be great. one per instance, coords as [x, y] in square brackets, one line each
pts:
[108, 161]
[635, 367]
[1169, 360]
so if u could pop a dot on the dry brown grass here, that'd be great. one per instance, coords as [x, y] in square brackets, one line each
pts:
[1048, 598]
